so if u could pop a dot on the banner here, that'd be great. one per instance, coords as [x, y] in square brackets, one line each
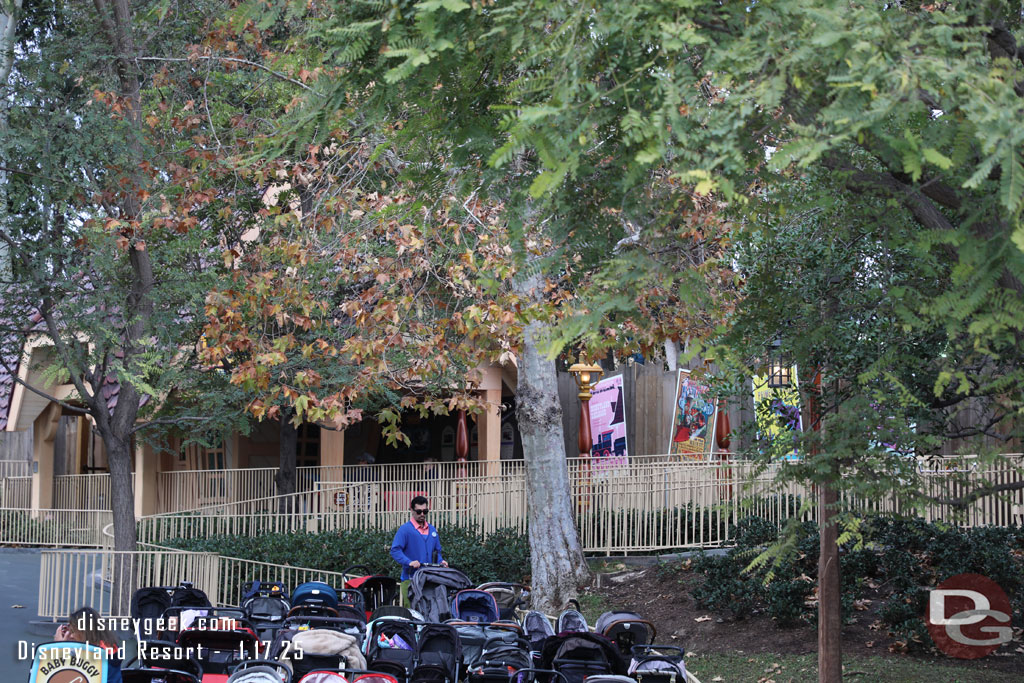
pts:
[777, 411]
[693, 419]
[68, 662]
[608, 425]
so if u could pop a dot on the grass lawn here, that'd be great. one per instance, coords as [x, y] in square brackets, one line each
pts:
[727, 668]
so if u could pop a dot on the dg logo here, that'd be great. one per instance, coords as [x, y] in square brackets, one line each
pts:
[969, 616]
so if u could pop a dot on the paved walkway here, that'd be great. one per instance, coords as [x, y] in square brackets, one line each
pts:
[19, 585]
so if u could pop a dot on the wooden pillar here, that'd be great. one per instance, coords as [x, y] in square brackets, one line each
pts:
[146, 466]
[82, 447]
[332, 449]
[489, 422]
[44, 431]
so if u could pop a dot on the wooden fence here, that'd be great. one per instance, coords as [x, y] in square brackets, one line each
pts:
[106, 579]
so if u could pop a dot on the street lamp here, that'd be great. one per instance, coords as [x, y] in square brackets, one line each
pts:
[586, 377]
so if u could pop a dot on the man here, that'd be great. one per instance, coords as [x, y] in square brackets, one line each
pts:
[416, 543]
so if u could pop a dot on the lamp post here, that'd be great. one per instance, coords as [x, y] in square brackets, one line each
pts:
[586, 377]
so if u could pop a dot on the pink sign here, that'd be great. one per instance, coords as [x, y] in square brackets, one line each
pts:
[608, 424]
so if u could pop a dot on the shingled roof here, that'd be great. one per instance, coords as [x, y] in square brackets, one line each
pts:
[11, 354]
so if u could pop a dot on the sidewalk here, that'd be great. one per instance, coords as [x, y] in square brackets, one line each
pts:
[19, 585]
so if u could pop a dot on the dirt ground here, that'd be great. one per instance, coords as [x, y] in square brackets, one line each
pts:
[666, 602]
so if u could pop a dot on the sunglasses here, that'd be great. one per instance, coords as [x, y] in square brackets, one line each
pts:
[421, 512]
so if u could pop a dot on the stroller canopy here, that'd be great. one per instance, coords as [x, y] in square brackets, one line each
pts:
[572, 620]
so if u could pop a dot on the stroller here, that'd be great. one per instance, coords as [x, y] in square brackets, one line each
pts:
[317, 649]
[579, 655]
[390, 647]
[351, 605]
[572, 620]
[163, 655]
[346, 676]
[377, 589]
[220, 639]
[658, 664]
[474, 637]
[509, 596]
[537, 629]
[261, 671]
[395, 611]
[430, 591]
[625, 629]
[438, 653]
[475, 605]
[150, 604]
[314, 599]
[499, 658]
[266, 605]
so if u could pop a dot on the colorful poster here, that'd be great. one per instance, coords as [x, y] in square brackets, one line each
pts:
[777, 411]
[68, 662]
[608, 425]
[693, 419]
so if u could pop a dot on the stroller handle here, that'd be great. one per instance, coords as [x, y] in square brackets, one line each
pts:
[531, 670]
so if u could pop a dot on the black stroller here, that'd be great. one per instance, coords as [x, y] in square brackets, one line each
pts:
[578, 655]
[390, 646]
[150, 605]
[438, 653]
[266, 605]
[377, 589]
[626, 630]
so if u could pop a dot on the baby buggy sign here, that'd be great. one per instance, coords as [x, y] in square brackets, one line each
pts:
[68, 662]
[693, 421]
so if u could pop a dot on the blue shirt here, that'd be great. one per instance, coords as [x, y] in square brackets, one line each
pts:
[410, 545]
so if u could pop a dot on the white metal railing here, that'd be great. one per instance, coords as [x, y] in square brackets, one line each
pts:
[83, 491]
[15, 468]
[82, 528]
[106, 579]
[17, 492]
[646, 504]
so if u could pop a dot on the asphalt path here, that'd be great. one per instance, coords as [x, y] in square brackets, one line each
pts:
[19, 599]
[21, 627]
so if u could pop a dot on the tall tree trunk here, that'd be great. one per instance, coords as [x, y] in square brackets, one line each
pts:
[287, 448]
[830, 659]
[556, 557]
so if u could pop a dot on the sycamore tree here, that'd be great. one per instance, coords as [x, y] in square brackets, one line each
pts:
[435, 85]
[805, 118]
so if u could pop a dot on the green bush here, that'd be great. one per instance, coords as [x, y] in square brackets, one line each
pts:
[904, 557]
[501, 556]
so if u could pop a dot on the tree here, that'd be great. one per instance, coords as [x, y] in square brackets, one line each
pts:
[916, 107]
[112, 226]
[431, 84]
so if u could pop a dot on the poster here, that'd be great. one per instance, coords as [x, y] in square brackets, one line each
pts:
[68, 662]
[777, 411]
[693, 419]
[608, 425]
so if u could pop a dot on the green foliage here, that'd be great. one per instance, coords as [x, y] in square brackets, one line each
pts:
[500, 556]
[903, 559]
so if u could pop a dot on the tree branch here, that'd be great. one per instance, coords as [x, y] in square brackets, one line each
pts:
[236, 60]
[964, 501]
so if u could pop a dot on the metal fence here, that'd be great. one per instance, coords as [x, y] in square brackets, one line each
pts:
[106, 579]
[73, 528]
[647, 504]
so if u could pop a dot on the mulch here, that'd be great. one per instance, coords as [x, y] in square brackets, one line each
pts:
[666, 601]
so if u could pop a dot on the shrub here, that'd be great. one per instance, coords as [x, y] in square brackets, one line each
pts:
[501, 556]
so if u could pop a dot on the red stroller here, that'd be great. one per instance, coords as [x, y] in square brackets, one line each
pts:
[377, 589]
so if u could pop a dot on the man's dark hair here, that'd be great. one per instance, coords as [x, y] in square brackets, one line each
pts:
[418, 500]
